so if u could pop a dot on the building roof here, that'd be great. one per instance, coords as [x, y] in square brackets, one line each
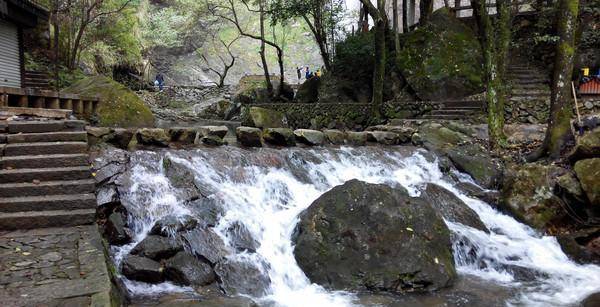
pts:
[26, 13]
[591, 87]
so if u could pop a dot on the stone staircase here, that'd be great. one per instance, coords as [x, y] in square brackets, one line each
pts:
[530, 92]
[456, 110]
[45, 177]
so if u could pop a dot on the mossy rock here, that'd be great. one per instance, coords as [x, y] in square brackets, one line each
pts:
[588, 172]
[442, 60]
[119, 106]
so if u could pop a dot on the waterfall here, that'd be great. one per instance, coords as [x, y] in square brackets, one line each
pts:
[266, 189]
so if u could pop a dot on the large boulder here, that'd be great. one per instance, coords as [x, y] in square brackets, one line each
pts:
[588, 173]
[142, 269]
[157, 247]
[266, 118]
[115, 229]
[528, 194]
[204, 242]
[442, 59]
[118, 107]
[361, 236]
[153, 136]
[335, 137]
[310, 137]
[243, 276]
[356, 138]
[309, 91]
[279, 136]
[475, 160]
[181, 178]
[451, 207]
[249, 136]
[185, 269]
[172, 224]
[588, 146]
[383, 137]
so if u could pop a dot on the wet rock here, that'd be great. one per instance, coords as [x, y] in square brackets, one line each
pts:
[181, 178]
[240, 238]
[588, 146]
[142, 269]
[451, 207]
[152, 136]
[579, 246]
[185, 269]
[279, 136]
[592, 300]
[107, 197]
[366, 236]
[115, 230]
[489, 196]
[335, 137]
[437, 138]
[249, 137]
[404, 133]
[475, 161]
[527, 194]
[172, 224]
[243, 276]
[266, 118]
[207, 210]
[96, 134]
[588, 173]
[218, 131]
[211, 140]
[121, 137]
[204, 242]
[183, 135]
[356, 138]
[309, 137]
[383, 137]
[157, 247]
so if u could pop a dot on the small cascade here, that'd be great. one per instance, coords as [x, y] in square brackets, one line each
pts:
[265, 190]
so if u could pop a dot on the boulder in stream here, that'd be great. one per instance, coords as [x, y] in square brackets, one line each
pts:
[309, 137]
[115, 229]
[243, 276]
[157, 247]
[181, 178]
[335, 137]
[204, 242]
[279, 136]
[383, 137]
[356, 138]
[185, 269]
[171, 224]
[451, 207]
[361, 236]
[153, 136]
[142, 269]
[248, 136]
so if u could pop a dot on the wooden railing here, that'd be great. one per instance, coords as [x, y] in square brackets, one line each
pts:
[82, 107]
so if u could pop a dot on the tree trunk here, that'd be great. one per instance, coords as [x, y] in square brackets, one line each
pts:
[425, 10]
[263, 57]
[559, 132]
[396, 34]
[380, 58]
[281, 71]
[321, 41]
[405, 16]
[495, 49]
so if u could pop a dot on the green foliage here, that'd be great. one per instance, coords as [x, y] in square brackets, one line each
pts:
[348, 52]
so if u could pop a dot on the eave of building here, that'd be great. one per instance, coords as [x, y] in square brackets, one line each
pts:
[22, 12]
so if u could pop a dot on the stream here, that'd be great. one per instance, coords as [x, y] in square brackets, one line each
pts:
[266, 189]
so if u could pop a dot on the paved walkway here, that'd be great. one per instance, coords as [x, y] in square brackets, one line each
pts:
[53, 267]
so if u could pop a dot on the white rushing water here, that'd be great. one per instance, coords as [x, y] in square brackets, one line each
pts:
[267, 189]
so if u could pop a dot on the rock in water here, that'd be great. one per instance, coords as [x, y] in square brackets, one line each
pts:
[366, 236]
[181, 178]
[279, 136]
[309, 137]
[204, 242]
[451, 207]
[335, 137]
[142, 269]
[248, 136]
[157, 248]
[172, 224]
[588, 172]
[243, 276]
[115, 229]
[185, 269]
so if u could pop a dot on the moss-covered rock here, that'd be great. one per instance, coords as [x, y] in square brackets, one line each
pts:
[119, 106]
[588, 173]
[588, 146]
[249, 136]
[335, 137]
[527, 194]
[442, 59]
[309, 137]
[266, 118]
[361, 236]
[279, 136]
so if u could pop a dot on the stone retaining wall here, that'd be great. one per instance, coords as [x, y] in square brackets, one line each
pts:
[534, 112]
[352, 116]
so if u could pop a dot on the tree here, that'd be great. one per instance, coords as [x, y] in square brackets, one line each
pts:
[229, 13]
[395, 26]
[381, 24]
[425, 10]
[320, 16]
[227, 64]
[494, 35]
[405, 16]
[559, 133]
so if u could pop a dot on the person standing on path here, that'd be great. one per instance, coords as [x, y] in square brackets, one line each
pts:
[160, 80]
[299, 72]
[307, 73]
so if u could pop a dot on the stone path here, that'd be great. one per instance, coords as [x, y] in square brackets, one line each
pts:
[53, 267]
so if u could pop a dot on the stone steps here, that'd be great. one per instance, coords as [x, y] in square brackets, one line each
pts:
[45, 148]
[48, 202]
[44, 161]
[45, 126]
[44, 174]
[69, 136]
[45, 219]
[47, 188]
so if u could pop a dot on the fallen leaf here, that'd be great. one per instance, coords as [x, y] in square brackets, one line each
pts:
[409, 229]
